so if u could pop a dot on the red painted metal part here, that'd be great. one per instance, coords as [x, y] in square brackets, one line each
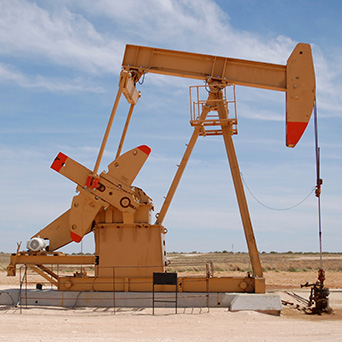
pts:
[75, 237]
[92, 182]
[294, 131]
[59, 161]
[146, 149]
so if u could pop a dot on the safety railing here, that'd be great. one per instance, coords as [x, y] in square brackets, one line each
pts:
[37, 291]
[212, 124]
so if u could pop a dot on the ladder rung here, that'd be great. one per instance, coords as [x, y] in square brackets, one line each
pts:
[216, 132]
[218, 122]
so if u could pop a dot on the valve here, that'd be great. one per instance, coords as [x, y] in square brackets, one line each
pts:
[318, 296]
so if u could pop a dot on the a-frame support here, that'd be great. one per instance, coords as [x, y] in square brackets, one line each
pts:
[215, 102]
[239, 190]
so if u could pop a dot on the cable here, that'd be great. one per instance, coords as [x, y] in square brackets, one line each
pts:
[276, 209]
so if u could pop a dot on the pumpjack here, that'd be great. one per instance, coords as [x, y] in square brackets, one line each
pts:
[129, 247]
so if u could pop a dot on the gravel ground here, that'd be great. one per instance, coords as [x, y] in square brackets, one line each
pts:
[54, 324]
[135, 324]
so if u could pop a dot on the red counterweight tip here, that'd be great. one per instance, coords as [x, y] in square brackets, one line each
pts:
[294, 131]
[146, 149]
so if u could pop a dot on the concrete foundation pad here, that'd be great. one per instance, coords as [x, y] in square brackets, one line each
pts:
[270, 303]
[34, 297]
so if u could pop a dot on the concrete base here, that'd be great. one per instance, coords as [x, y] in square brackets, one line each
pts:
[269, 303]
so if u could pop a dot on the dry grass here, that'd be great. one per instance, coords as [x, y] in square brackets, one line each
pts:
[4, 261]
[223, 262]
[281, 270]
[195, 263]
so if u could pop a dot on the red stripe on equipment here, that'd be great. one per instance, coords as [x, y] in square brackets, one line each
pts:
[92, 182]
[294, 131]
[75, 237]
[146, 149]
[59, 161]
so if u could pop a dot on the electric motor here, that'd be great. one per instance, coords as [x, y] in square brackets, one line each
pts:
[36, 244]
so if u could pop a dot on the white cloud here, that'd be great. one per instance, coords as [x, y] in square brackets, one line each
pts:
[9, 74]
[28, 31]
[90, 36]
[199, 26]
[328, 79]
[257, 113]
[70, 39]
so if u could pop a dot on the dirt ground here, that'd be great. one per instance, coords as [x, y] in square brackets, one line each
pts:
[139, 325]
[136, 324]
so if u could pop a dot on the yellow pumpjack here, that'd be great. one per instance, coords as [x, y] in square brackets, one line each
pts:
[129, 247]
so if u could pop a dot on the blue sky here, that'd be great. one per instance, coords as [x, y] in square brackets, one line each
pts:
[59, 68]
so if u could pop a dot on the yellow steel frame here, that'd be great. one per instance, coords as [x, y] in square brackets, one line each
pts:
[185, 284]
[120, 268]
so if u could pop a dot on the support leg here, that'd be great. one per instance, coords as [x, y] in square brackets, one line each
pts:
[240, 194]
[181, 168]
